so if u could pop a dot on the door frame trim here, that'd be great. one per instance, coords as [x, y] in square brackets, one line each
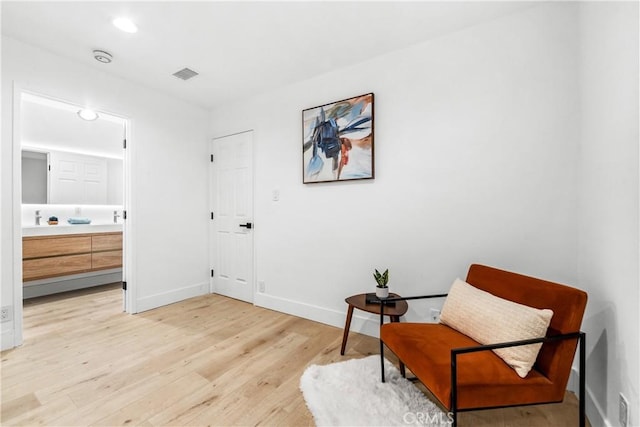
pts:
[254, 278]
[128, 267]
[16, 219]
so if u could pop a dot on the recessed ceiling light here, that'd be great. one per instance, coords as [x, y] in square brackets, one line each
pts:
[126, 25]
[87, 114]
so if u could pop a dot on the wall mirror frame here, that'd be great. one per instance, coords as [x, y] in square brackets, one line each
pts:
[69, 160]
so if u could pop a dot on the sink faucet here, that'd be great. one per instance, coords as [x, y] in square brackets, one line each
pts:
[38, 216]
[115, 217]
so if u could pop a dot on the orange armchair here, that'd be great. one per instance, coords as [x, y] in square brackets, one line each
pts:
[465, 375]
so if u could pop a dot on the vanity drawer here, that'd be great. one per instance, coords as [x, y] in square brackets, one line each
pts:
[55, 266]
[106, 242]
[107, 259]
[62, 255]
[47, 247]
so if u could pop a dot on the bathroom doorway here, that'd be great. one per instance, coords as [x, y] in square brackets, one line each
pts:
[71, 166]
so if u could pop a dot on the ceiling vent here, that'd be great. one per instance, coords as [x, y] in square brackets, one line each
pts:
[185, 74]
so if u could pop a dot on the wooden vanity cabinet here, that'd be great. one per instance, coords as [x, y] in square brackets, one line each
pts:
[106, 251]
[65, 254]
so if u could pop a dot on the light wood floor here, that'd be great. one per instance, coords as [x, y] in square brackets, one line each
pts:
[205, 361]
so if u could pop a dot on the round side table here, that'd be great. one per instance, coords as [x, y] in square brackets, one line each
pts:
[359, 301]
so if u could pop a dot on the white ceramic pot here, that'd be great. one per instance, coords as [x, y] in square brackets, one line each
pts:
[382, 292]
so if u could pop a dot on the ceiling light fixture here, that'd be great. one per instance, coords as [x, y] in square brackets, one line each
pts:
[126, 25]
[87, 114]
[102, 56]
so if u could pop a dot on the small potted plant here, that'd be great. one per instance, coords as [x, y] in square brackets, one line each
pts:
[382, 290]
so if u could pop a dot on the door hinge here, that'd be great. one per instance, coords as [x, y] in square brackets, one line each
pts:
[212, 272]
[124, 214]
[124, 143]
[124, 286]
[212, 158]
[49, 167]
[212, 215]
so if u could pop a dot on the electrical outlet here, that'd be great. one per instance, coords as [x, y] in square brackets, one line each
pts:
[624, 411]
[434, 315]
[261, 285]
[5, 314]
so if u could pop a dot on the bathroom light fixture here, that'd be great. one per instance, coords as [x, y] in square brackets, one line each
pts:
[87, 114]
[102, 56]
[126, 25]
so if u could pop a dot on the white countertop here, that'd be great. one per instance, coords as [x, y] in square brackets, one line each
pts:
[48, 230]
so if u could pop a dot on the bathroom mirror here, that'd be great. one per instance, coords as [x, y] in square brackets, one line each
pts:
[69, 160]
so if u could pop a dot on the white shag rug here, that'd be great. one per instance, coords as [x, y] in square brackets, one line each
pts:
[350, 393]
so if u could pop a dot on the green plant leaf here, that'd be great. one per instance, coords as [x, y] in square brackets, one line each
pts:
[381, 279]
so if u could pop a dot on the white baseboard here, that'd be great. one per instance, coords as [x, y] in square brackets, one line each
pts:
[361, 322]
[7, 340]
[595, 414]
[165, 298]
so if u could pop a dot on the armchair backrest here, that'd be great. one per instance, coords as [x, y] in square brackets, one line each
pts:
[568, 305]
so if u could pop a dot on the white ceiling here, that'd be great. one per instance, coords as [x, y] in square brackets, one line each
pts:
[239, 48]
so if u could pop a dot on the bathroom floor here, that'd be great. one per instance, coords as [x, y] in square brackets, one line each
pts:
[72, 294]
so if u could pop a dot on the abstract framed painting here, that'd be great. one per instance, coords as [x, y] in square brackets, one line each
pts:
[337, 141]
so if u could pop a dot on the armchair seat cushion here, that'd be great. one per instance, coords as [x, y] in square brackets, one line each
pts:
[484, 379]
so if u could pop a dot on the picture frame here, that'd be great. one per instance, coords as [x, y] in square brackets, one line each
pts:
[338, 141]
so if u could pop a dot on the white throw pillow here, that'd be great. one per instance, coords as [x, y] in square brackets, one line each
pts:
[490, 320]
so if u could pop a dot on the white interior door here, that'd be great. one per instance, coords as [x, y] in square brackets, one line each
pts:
[77, 179]
[231, 231]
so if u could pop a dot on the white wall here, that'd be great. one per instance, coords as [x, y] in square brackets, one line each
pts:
[168, 150]
[475, 146]
[482, 155]
[608, 209]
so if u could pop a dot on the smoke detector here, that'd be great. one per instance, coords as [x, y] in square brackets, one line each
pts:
[102, 56]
